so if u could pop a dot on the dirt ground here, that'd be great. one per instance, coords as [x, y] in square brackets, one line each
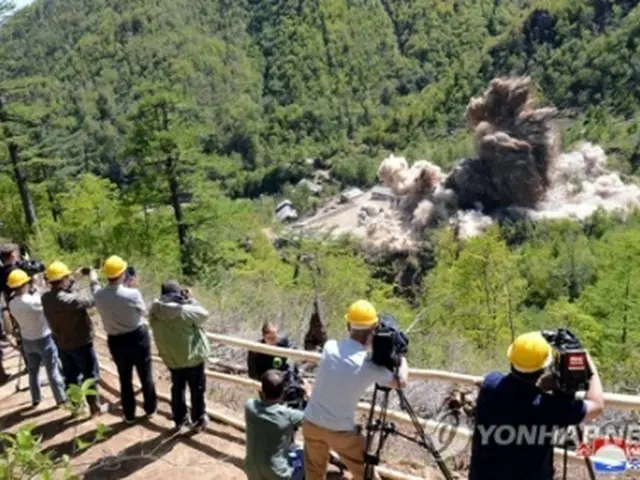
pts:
[145, 450]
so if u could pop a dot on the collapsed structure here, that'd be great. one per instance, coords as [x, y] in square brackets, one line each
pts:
[518, 170]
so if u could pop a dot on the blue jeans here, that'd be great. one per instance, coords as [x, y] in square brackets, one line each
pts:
[78, 365]
[296, 460]
[38, 352]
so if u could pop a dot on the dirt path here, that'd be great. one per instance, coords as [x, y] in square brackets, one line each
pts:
[145, 450]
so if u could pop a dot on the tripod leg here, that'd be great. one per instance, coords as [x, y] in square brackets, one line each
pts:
[372, 459]
[587, 460]
[426, 441]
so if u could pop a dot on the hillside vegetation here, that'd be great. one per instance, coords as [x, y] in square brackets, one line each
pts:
[167, 130]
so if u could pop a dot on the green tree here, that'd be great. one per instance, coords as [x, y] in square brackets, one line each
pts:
[481, 292]
[161, 144]
[613, 299]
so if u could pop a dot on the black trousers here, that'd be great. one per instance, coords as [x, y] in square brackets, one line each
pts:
[197, 381]
[129, 350]
[80, 364]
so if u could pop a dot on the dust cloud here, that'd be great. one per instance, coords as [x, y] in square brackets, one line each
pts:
[518, 171]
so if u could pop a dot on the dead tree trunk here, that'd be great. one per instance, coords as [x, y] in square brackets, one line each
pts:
[23, 189]
[183, 233]
[171, 167]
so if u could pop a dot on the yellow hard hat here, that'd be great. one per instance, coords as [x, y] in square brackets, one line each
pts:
[17, 278]
[361, 314]
[530, 352]
[57, 271]
[114, 266]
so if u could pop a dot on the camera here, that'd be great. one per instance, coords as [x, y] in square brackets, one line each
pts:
[570, 367]
[31, 267]
[390, 344]
[129, 274]
[293, 392]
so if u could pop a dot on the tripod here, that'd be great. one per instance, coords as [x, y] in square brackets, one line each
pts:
[592, 473]
[386, 428]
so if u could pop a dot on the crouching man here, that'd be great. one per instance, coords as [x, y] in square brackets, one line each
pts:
[271, 453]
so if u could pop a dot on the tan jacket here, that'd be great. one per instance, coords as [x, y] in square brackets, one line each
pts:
[66, 313]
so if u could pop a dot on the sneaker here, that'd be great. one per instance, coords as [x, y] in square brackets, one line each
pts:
[201, 424]
[182, 425]
[97, 409]
[130, 421]
[150, 415]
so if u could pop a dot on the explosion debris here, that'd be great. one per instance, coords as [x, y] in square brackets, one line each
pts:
[518, 171]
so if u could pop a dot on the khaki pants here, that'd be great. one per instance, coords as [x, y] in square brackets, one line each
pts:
[317, 443]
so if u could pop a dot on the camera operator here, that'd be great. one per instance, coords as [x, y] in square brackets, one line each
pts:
[65, 308]
[518, 399]
[270, 452]
[258, 363]
[345, 372]
[11, 260]
[176, 320]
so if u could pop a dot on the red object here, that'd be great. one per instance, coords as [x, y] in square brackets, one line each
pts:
[632, 450]
[584, 450]
[576, 361]
[588, 450]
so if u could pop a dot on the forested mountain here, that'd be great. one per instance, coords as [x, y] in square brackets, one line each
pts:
[269, 83]
[114, 110]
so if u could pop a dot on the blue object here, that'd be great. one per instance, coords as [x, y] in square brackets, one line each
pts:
[296, 460]
[609, 467]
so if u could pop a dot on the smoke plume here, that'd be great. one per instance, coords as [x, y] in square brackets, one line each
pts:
[518, 169]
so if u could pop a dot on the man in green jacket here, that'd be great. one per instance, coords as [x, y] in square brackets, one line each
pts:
[176, 320]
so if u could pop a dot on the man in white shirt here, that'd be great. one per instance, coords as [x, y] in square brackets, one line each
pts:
[344, 374]
[122, 310]
[37, 341]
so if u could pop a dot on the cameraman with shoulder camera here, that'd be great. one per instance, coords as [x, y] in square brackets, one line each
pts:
[519, 400]
[176, 320]
[345, 372]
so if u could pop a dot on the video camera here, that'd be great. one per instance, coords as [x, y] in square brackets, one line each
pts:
[293, 392]
[390, 343]
[570, 367]
[31, 267]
